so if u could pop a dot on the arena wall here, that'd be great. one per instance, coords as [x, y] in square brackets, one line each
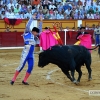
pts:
[14, 38]
[58, 23]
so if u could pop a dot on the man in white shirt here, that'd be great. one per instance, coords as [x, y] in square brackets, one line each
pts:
[3, 15]
[1, 9]
[86, 6]
[10, 4]
[1, 2]
[58, 0]
[10, 14]
[18, 3]
[29, 14]
[18, 15]
[60, 16]
[53, 16]
[98, 6]
[90, 16]
[23, 15]
[52, 6]
[46, 2]
[67, 11]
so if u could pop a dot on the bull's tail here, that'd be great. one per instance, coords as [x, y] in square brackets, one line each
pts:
[95, 48]
[99, 50]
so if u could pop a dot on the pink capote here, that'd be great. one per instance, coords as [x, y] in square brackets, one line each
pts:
[85, 40]
[47, 40]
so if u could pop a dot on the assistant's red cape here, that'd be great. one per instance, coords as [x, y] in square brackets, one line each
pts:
[85, 40]
[47, 40]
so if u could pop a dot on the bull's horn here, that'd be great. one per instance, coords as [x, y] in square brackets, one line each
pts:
[38, 52]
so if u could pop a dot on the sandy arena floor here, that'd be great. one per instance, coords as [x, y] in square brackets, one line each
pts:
[58, 87]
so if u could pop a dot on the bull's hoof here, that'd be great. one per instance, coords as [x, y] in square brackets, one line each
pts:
[74, 81]
[90, 79]
[77, 82]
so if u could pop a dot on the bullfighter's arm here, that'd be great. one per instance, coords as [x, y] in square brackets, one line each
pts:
[28, 25]
[40, 24]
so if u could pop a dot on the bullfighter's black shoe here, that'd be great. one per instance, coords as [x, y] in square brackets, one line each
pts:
[25, 83]
[12, 82]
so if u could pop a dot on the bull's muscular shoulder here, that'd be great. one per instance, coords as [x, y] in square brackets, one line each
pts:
[66, 51]
[59, 50]
[66, 54]
[75, 49]
[70, 50]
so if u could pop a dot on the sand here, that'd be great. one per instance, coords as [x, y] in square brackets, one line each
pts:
[57, 87]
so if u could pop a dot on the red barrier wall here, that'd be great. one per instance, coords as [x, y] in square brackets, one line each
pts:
[14, 39]
[11, 39]
[71, 36]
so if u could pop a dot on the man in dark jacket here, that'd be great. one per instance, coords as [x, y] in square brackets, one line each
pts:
[82, 32]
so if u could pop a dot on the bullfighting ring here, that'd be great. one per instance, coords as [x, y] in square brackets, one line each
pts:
[47, 83]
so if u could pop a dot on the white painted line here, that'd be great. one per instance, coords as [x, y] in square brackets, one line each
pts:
[95, 62]
[74, 88]
[10, 64]
[11, 48]
[3, 48]
[49, 74]
[49, 77]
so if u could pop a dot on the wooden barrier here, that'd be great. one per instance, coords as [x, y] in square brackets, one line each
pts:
[18, 28]
[90, 22]
[58, 24]
[11, 39]
[14, 39]
[21, 27]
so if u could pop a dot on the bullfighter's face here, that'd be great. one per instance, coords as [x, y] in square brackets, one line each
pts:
[43, 59]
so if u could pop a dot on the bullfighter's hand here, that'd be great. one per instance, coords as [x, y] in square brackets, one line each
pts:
[41, 18]
[34, 16]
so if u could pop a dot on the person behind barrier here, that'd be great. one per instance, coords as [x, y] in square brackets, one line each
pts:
[82, 32]
[97, 35]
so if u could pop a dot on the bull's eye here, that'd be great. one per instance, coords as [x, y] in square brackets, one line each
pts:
[40, 56]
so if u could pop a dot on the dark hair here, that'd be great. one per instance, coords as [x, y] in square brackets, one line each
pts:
[46, 28]
[35, 29]
[82, 28]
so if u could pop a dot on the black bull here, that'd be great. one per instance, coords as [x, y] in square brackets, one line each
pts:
[68, 58]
